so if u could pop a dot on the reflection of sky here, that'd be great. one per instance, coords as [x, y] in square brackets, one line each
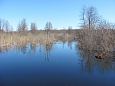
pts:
[63, 67]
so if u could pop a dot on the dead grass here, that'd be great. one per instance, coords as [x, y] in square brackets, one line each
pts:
[15, 38]
[97, 40]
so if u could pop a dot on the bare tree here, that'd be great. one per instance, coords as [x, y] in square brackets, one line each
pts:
[0, 24]
[48, 27]
[4, 25]
[90, 17]
[33, 27]
[22, 27]
[83, 24]
[69, 29]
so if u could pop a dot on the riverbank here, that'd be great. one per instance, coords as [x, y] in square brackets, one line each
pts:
[16, 38]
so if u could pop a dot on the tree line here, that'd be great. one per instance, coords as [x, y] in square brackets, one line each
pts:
[22, 26]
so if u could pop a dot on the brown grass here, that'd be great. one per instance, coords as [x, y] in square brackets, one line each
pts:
[99, 40]
[39, 37]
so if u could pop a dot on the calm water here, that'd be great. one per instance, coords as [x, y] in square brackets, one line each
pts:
[59, 64]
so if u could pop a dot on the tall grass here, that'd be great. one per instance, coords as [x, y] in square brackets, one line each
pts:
[39, 37]
[100, 40]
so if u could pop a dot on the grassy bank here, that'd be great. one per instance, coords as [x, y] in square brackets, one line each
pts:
[38, 37]
[99, 41]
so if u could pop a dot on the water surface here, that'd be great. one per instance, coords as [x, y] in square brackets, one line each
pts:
[57, 64]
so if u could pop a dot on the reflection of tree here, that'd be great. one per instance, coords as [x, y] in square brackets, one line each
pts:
[22, 48]
[40, 47]
[48, 48]
[70, 44]
[4, 49]
[89, 62]
[63, 43]
[33, 47]
[27, 48]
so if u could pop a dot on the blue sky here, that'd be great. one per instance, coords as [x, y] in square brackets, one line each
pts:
[62, 13]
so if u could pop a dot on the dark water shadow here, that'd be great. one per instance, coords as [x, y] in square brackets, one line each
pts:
[90, 63]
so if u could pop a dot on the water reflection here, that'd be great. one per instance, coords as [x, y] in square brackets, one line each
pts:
[70, 44]
[55, 64]
[23, 48]
[33, 47]
[4, 49]
[29, 48]
[26, 48]
[48, 48]
[87, 58]
[89, 63]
